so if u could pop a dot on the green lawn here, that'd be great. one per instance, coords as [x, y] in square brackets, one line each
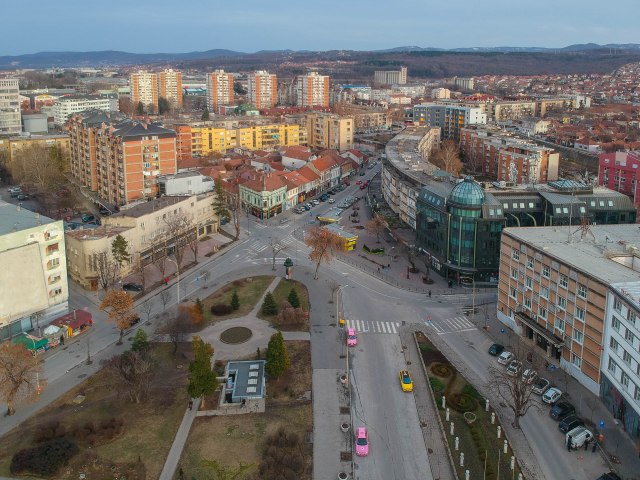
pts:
[250, 290]
[280, 295]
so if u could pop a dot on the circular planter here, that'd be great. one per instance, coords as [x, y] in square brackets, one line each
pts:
[342, 476]
[343, 379]
[469, 417]
[235, 335]
[345, 427]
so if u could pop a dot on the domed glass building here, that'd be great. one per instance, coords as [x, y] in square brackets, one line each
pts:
[459, 228]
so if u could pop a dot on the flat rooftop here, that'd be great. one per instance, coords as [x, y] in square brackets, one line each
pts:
[610, 253]
[144, 208]
[249, 378]
[14, 218]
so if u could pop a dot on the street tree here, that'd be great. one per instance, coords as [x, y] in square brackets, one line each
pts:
[178, 228]
[202, 378]
[220, 206]
[140, 341]
[276, 247]
[133, 373]
[376, 225]
[39, 166]
[277, 356]
[119, 250]
[106, 268]
[165, 297]
[20, 375]
[176, 327]
[119, 307]
[164, 106]
[447, 157]
[205, 115]
[324, 246]
[513, 389]
[226, 202]
[147, 308]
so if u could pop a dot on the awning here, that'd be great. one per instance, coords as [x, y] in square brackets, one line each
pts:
[540, 330]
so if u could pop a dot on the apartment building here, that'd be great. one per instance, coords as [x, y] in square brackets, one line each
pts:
[149, 230]
[501, 156]
[390, 77]
[12, 146]
[312, 90]
[563, 290]
[10, 121]
[450, 118]
[144, 88]
[33, 274]
[326, 130]
[120, 159]
[262, 89]
[464, 83]
[219, 90]
[619, 171]
[441, 93]
[170, 87]
[69, 105]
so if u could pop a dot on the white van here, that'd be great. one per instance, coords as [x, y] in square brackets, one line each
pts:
[578, 435]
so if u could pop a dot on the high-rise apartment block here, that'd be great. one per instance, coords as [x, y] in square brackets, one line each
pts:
[619, 171]
[219, 89]
[390, 77]
[326, 130]
[170, 87]
[119, 159]
[450, 118]
[144, 88]
[68, 105]
[312, 90]
[263, 89]
[10, 120]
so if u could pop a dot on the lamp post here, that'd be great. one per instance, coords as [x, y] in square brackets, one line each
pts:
[338, 292]
[473, 292]
[35, 358]
[177, 275]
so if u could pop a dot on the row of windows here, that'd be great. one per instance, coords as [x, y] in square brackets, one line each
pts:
[624, 379]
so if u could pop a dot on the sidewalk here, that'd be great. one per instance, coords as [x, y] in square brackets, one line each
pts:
[171, 463]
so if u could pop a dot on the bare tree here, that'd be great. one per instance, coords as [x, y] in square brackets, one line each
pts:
[376, 225]
[133, 373]
[448, 157]
[106, 268]
[176, 327]
[324, 245]
[179, 227]
[165, 297]
[20, 375]
[147, 308]
[40, 166]
[276, 247]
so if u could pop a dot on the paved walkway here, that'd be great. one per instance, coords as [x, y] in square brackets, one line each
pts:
[171, 463]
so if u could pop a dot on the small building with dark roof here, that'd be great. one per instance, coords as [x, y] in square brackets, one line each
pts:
[245, 380]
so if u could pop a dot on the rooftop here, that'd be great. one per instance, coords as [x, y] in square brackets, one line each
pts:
[14, 218]
[248, 379]
[150, 206]
[600, 252]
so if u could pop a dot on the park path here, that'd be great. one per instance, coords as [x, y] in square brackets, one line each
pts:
[171, 463]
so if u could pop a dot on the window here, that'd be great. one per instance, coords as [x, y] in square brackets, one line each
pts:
[617, 305]
[629, 336]
[544, 292]
[564, 281]
[528, 281]
[582, 291]
[624, 379]
[529, 262]
[614, 345]
[631, 317]
[576, 360]
[513, 293]
[615, 323]
[514, 273]
[562, 303]
[515, 254]
[637, 394]
[578, 336]
[546, 271]
[612, 366]
[527, 303]
[542, 312]
[580, 314]
[626, 356]
[559, 324]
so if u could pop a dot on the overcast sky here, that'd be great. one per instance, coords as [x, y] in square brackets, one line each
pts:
[153, 26]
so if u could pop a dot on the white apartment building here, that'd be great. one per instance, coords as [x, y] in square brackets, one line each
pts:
[64, 107]
[390, 77]
[262, 89]
[33, 277]
[312, 90]
[10, 121]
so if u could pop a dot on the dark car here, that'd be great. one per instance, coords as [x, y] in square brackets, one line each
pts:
[104, 211]
[132, 287]
[362, 174]
[88, 218]
[496, 349]
[569, 423]
[22, 197]
[561, 410]
[609, 476]
[134, 320]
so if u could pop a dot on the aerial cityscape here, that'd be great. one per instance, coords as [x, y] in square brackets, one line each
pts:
[319, 242]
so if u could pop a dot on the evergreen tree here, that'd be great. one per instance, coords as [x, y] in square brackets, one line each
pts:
[293, 299]
[163, 105]
[220, 200]
[269, 306]
[277, 356]
[202, 378]
[200, 306]
[140, 341]
[140, 109]
[205, 115]
[235, 301]
[119, 250]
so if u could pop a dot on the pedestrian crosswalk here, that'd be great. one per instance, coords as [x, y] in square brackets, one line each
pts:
[258, 245]
[450, 325]
[373, 326]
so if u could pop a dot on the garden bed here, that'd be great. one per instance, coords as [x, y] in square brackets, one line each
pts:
[249, 290]
[280, 294]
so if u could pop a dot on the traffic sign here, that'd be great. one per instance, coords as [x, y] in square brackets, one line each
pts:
[601, 424]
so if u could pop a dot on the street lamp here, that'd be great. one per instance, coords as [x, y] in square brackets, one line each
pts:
[177, 275]
[340, 319]
[473, 291]
[35, 358]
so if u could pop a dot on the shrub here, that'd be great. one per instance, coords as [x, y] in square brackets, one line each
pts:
[45, 459]
[221, 309]
[235, 301]
[461, 402]
[441, 370]
[470, 390]
[269, 306]
[200, 306]
[436, 384]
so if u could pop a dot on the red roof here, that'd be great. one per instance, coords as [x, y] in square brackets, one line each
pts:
[268, 182]
[75, 319]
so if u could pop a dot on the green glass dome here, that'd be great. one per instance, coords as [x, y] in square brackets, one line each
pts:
[467, 192]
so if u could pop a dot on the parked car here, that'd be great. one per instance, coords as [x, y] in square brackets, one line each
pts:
[315, 201]
[87, 217]
[505, 358]
[352, 338]
[561, 410]
[132, 287]
[362, 174]
[307, 206]
[540, 386]
[405, 381]
[362, 442]
[331, 200]
[529, 375]
[134, 320]
[570, 422]
[552, 395]
[496, 349]
[22, 197]
[578, 436]
[514, 368]
[346, 183]
[609, 476]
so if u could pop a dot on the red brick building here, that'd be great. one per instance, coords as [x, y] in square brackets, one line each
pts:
[619, 171]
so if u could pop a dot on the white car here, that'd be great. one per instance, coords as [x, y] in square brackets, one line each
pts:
[316, 201]
[514, 368]
[552, 395]
[529, 375]
[578, 436]
[505, 358]
[331, 200]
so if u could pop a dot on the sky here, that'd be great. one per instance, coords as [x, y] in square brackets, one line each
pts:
[163, 26]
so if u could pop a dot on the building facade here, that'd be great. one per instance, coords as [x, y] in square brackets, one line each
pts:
[66, 106]
[11, 147]
[219, 90]
[34, 272]
[390, 77]
[326, 130]
[450, 118]
[619, 171]
[170, 87]
[144, 88]
[312, 90]
[10, 122]
[262, 89]
[185, 183]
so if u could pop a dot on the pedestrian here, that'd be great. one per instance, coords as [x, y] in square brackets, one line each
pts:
[569, 441]
[190, 404]
[586, 444]
[429, 293]
[388, 265]
[595, 445]
[166, 280]
[378, 269]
